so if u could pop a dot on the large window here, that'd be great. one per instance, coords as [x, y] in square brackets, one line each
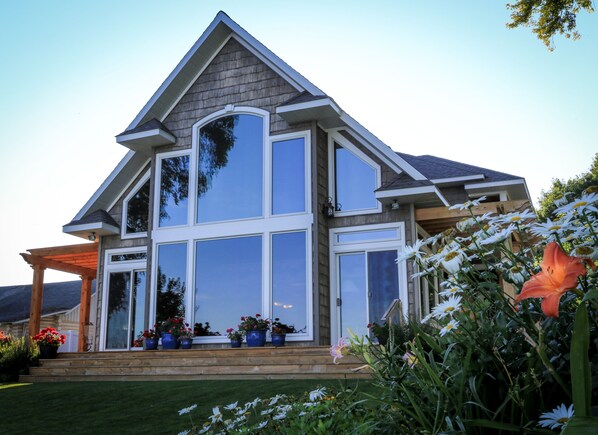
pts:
[230, 173]
[136, 209]
[228, 281]
[234, 226]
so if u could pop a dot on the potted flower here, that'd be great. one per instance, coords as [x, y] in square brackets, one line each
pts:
[48, 341]
[255, 329]
[186, 338]
[147, 339]
[170, 330]
[280, 331]
[236, 337]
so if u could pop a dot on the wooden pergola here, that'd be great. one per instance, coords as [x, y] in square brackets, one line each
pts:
[79, 259]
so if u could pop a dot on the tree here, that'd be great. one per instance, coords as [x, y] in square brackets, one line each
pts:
[549, 17]
[575, 186]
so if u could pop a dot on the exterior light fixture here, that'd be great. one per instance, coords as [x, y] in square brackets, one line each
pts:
[328, 208]
[92, 237]
[395, 205]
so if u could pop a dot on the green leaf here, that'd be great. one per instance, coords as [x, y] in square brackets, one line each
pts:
[493, 425]
[581, 426]
[580, 368]
[592, 294]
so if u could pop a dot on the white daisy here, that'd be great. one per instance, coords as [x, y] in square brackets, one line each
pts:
[317, 394]
[451, 260]
[517, 274]
[556, 418]
[411, 252]
[447, 308]
[205, 429]
[499, 236]
[231, 406]
[515, 217]
[465, 224]
[187, 410]
[468, 204]
[274, 400]
[451, 291]
[262, 424]
[550, 229]
[580, 204]
[453, 324]
[585, 251]
[216, 415]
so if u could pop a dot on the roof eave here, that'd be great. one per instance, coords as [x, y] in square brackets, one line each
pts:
[144, 141]
[85, 230]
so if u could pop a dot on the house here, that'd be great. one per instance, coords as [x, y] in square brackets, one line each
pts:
[246, 189]
[60, 310]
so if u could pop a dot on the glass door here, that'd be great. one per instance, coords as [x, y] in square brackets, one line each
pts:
[125, 308]
[367, 283]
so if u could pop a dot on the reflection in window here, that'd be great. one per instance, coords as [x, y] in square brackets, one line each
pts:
[228, 275]
[353, 294]
[135, 256]
[138, 210]
[383, 282]
[174, 191]
[288, 176]
[172, 273]
[117, 328]
[355, 181]
[367, 236]
[289, 283]
[230, 170]
[138, 305]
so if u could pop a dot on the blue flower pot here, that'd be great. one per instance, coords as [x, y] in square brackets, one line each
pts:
[256, 338]
[278, 340]
[235, 343]
[150, 343]
[169, 341]
[186, 343]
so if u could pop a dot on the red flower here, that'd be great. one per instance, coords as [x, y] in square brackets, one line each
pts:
[559, 274]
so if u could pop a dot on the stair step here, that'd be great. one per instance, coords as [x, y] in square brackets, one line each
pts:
[195, 364]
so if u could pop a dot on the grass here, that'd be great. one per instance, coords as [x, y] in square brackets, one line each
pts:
[131, 407]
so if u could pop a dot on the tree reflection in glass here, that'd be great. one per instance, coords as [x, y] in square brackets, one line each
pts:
[172, 269]
[230, 168]
[138, 210]
[174, 191]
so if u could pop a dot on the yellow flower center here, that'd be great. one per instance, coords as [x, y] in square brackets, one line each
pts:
[450, 256]
[563, 420]
[454, 289]
[580, 204]
[449, 309]
[449, 326]
[515, 218]
[516, 269]
[554, 228]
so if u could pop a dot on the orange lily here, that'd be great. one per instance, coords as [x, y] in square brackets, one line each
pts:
[559, 274]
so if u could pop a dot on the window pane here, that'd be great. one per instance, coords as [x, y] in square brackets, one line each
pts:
[355, 181]
[138, 301]
[117, 327]
[366, 236]
[288, 176]
[172, 281]
[174, 191]
[230, 170]
[228, 281]
[128, 257]
[138, 210]
[353, 294]
[383, 282]
[289, 286]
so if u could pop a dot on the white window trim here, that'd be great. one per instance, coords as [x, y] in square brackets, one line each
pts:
[125, 266]
[345, 143]
[157, 187]
[265, 225]
[364, 246]
[124, 234]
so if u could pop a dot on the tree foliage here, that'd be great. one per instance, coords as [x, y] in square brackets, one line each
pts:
[574, 185]
[549, 17]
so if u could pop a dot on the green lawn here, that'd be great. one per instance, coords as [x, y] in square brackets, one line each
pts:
[130, 407]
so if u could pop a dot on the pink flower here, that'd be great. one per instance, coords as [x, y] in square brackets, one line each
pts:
[340, 349]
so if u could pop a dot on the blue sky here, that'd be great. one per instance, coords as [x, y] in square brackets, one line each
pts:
[441, 78]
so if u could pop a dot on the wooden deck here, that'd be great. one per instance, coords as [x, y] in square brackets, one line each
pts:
[197, 364]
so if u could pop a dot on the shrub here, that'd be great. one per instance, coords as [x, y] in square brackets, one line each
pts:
[16, 357]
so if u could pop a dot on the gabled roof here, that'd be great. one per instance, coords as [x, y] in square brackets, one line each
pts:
[59, 297]
[98, 222]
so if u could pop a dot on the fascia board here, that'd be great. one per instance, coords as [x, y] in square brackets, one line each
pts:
[157, 132]
[412, 191]
[309, 105]
[384, 149]
[100, 227]
[494, 184]
[458, 179]
[125, 160]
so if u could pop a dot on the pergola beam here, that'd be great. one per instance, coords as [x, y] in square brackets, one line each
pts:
[65, 250]
[35, 260]
[439, 213]
[84, 312]
[37, 291]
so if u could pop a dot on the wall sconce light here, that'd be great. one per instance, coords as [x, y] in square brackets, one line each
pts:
[92, 237]
[328, 208]
[395, 205]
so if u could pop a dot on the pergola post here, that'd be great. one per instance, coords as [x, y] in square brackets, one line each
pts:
[84, 312]
[37, 290]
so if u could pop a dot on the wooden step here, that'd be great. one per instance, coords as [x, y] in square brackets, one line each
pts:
[196, 364]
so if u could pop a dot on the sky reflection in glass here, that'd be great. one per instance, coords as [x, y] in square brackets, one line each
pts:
[172, 281]
[174, 191]
[355, 181]
[288, 176]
